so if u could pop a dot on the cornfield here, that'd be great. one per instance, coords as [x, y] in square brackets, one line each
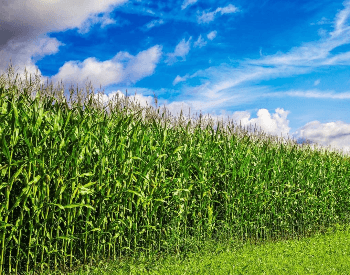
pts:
[78, 185]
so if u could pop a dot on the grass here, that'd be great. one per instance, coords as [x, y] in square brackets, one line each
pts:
[327, 253]
[127, 190]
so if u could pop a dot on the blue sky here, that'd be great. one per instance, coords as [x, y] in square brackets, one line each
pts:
[282, 65]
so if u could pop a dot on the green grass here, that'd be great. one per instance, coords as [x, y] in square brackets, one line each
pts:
[152, 194]
[327, 253]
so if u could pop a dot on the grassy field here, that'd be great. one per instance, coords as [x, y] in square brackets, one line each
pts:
[324, 253]
[133, 191]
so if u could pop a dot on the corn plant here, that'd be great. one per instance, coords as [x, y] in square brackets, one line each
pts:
[79, 183]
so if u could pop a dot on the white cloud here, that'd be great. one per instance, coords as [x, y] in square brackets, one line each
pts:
[206, 17]
[187, 3]
[200, 42]
[318, 94]
[180, 79]
[317, 82]
[23, 28]
[105, 20]
[211, 35]
[321, 32]
[209, 16]
[275, 125]
[144, 63]
[323, 21]
[339, 59]
[229, 9]
[155, 23]
[341, 19]
[336, 135]
[122, 68]
[181, 50]
[19, 53]
[314, 54]
[260, 52]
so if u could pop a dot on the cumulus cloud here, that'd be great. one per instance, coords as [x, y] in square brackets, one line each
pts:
[335, 135]
[24, 22]
[24, 28]
[207, 17]
[20, 52]
[122, 68]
